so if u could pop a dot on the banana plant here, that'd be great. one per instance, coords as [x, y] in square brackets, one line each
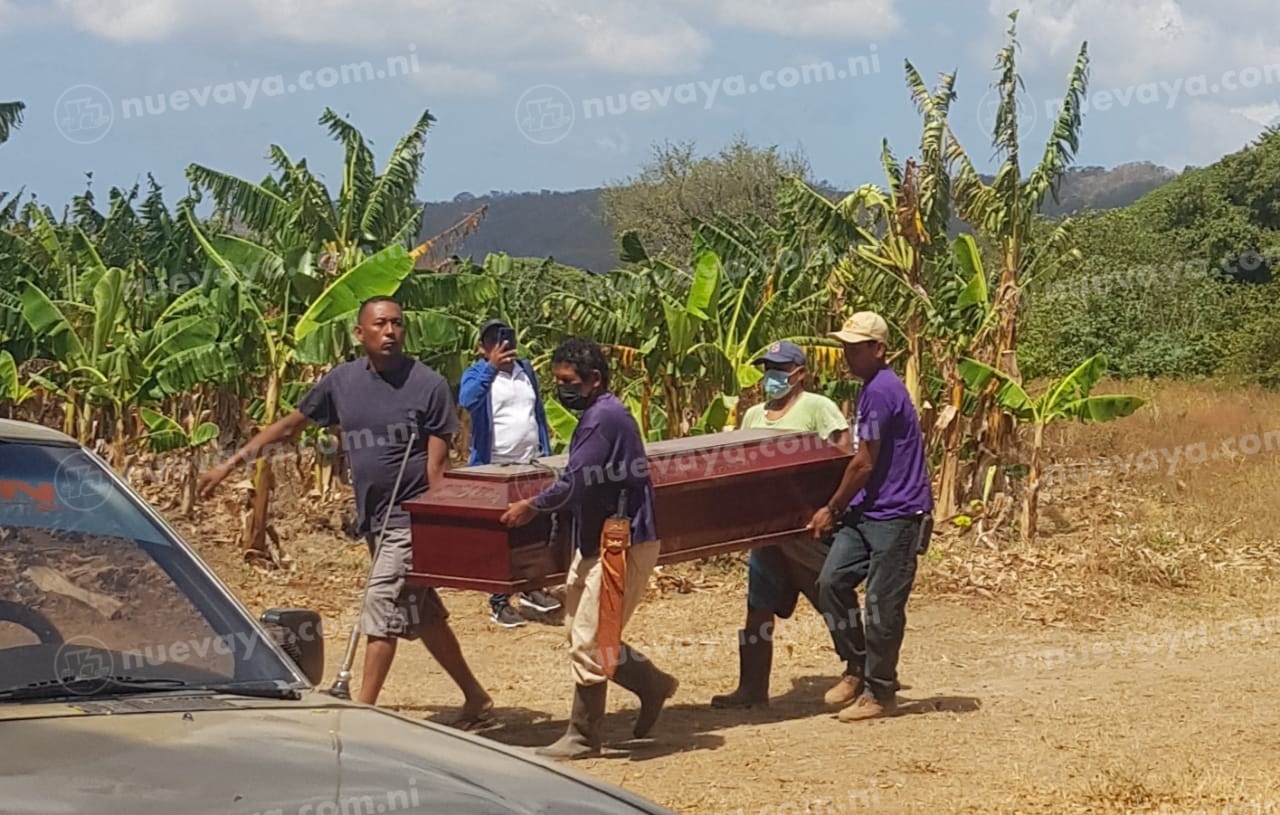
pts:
[373, 210]
[101, 362]
[1005, 211]
[1067, 399]
[10, 118]
[165, 435]
[254, 288]
[11, 388]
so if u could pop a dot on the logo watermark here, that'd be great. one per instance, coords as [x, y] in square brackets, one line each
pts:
[84, 114]
[546, 113]
[83, 665]
[989, 110]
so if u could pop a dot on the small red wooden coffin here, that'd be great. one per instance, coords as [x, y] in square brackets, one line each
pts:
[716, 493]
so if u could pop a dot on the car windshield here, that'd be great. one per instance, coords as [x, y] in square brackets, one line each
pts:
[97, 598]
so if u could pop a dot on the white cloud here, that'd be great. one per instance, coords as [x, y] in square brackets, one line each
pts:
[1143, 40]
[130, 20]
[840, 19]
[647, 37]
[609, 35]
[1264, 115]
[1215, 65]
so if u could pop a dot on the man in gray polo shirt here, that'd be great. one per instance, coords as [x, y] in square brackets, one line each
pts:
[377, 399]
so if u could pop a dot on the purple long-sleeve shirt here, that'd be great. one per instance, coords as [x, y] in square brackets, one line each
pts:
[606, 455]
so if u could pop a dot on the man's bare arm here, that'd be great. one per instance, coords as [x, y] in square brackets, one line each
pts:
[283, 430]
[437, 460]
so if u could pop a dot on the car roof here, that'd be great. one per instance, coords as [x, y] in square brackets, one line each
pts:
[12, 430]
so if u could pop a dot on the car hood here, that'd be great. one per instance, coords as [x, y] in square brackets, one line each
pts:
[165, 754]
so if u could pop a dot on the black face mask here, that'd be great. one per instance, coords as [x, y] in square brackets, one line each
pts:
[571, 398]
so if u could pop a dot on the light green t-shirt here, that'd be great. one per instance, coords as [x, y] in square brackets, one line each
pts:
[811, 412]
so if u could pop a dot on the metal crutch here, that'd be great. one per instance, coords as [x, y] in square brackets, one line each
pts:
[342, 685]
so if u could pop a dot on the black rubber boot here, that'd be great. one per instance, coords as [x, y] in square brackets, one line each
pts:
[640, 676]
[583, 738]
[755, 661]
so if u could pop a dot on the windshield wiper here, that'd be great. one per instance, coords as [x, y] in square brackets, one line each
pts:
[261, 690]
[90, 687]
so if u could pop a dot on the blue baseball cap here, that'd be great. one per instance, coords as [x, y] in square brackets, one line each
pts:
[782, 352]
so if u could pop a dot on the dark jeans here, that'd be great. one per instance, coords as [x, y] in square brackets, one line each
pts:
[883, 553]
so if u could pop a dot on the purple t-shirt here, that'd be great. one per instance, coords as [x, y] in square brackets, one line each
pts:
[899, 484]
[606, 455]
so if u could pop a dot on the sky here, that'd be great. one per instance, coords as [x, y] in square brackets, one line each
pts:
[567, 94]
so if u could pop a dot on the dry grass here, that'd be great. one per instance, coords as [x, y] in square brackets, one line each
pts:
[1153, 527]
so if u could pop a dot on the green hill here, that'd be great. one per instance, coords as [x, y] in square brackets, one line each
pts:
[1170, 285]
[570, 226]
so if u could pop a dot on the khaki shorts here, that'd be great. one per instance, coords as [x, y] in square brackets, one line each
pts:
[393, 608]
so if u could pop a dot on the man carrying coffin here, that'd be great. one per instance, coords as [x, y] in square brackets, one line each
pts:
[607, 490]
[777, 575]
[882, 512]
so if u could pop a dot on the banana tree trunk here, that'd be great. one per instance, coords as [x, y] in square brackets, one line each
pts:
[69, 415]
[262, 475]
[190, 478]
[1030, 501]
[83, 414]
[1000, 425]
[948, 488]
[675, 414]
[645, 403]
[914, 344]
[117, 449]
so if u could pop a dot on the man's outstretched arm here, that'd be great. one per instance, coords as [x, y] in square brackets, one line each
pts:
[283, 430]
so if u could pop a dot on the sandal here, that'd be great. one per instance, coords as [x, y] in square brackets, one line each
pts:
[468, 723]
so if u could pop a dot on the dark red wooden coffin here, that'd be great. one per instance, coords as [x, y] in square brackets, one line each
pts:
[721, 492]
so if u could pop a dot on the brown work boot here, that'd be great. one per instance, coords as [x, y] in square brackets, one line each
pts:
[867, 706]
[755, 660]
[848, 689]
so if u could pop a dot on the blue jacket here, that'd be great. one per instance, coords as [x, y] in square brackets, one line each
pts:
[474, 396]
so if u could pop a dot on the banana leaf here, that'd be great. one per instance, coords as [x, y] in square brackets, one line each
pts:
[561, 420]
[380, 274]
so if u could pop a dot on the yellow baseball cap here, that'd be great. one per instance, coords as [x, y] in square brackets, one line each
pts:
[863, 326]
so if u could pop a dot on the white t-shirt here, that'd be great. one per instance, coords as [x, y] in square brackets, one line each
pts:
[515, 426]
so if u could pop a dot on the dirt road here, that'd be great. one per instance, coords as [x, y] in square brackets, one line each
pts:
[1172, 711]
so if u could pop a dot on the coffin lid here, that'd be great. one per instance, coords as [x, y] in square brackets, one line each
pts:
[653, 449]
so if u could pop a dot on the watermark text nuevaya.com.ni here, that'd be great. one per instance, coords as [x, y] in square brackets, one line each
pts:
[85, 113]
[546, 113]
